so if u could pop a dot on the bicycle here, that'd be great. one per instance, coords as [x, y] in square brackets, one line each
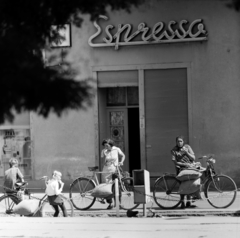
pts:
[8, 201]
[82, 187]
[219, 190]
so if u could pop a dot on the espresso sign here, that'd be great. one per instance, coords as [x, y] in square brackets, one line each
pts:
[158, 35]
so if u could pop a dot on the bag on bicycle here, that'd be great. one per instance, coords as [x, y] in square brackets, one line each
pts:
[26, 207]
[189, 174]
[189, 187]
[103, 190]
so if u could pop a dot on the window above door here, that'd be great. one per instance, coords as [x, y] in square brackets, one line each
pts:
[122, 96]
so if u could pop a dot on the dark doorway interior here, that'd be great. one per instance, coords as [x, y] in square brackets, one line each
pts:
[134, 139]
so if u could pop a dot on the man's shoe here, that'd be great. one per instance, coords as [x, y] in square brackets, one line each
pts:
[9, 211]
[182, 205]
[101, 201]
[109, 206]
[132, 213]
[188, 204]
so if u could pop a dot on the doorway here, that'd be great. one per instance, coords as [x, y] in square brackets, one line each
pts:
[119, 120]
[134, 139]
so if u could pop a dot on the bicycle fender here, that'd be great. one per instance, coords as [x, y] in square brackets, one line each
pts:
[157, 180]
[165, 175]
[84, 178]
[209, 179]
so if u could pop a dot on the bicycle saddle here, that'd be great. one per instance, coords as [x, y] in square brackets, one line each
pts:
[93, 168]
[21, 185]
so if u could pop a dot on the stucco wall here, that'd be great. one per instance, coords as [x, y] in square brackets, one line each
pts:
[68, 142]
[65, 144]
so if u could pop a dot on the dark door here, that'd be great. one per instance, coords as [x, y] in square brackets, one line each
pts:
[134, 139]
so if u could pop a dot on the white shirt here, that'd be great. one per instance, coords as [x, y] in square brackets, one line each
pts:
[52, 188]
[112, 155]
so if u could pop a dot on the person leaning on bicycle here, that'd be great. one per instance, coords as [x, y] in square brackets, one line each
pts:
[183, 157]
[111, 155]
[12, 176]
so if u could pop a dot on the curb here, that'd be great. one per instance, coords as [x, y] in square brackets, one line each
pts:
[162, 213]
[153, 213]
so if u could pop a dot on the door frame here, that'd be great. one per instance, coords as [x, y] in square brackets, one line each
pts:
[140, 68]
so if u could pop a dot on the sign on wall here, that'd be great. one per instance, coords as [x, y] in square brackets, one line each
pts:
[64, 36]
[159, 34]
[16, 143]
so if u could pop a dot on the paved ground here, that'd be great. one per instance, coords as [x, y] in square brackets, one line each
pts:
[203, 208]
[98, 222]
[168, 227]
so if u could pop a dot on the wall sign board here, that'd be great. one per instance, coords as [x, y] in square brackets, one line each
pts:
[183, 32]
[64, 39]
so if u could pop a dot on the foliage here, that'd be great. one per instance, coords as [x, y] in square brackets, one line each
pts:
[26, 84]
[234, 4]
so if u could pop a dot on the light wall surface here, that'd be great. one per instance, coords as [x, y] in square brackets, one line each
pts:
[67, 143]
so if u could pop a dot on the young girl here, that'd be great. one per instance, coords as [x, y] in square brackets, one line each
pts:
[53, 191]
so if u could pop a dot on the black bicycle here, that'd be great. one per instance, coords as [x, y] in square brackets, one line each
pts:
[81, 190]
[220, 190]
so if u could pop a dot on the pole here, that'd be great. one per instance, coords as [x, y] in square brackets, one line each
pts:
[117, 196]
[144, 210]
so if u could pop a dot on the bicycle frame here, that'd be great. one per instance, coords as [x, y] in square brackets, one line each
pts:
[99, 172]
[210, 175]
[220, 190]
[169, 190]
[94, 178]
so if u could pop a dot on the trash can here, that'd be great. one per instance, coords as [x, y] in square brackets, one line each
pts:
[141, 184]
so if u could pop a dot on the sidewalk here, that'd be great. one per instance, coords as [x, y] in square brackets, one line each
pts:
[152, 210]
[155, 211]
[202, 209]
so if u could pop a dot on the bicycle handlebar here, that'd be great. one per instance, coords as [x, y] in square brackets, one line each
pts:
[44, 178]
[207, 157]
[21, 185]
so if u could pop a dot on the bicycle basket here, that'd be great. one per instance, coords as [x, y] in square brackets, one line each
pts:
[126, 174]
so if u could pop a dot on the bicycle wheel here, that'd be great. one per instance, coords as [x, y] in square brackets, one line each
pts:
[165, 192]
[7, 202]
[48, 211]
[221, 191]
[80, 193]
[126, 199]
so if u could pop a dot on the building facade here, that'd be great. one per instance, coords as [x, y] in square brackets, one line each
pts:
[168, 68]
